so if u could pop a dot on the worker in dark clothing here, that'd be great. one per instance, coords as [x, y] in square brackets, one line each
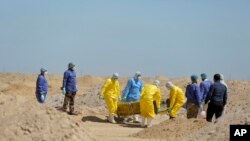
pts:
[217, 98]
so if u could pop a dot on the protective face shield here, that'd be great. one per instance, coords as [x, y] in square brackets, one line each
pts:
[138, 75]
[115, 76]
[169, 85]
[74, 68]
[43, 71]
[71, 65]
[156, 83]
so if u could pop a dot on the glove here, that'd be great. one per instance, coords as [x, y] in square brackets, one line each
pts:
[42, 96]
[168, 110]
[100, 97]
[63, 90]
[124, 99]
[158, 110]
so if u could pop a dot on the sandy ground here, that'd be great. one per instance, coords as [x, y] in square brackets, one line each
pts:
[22, 118]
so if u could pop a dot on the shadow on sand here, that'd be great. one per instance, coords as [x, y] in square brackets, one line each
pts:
[93, 119]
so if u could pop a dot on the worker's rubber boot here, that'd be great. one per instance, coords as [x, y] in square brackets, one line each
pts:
[111, 119]
[149, 123]
[143, 122]
[136, 118]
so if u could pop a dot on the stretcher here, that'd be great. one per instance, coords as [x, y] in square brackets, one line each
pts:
[133, 108]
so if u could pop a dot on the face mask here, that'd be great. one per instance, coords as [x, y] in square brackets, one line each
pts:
[139, 78]
[46, 73]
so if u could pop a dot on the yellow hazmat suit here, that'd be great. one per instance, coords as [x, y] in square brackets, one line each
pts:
[111, 92]
[148, 95]
[176, 100]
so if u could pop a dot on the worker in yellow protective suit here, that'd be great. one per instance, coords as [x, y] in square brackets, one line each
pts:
[110, 91]
[148, 95]
[176, 99]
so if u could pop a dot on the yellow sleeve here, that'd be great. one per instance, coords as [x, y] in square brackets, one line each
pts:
[158, 98]
[106, 84]
[118, 90]
[142, 93]
[173, 93]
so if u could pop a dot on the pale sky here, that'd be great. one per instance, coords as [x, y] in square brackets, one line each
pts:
[157, 37]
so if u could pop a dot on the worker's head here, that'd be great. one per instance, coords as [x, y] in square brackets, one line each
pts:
[138, 75]
[169, 85]
[115, 76]
[217, 77]
[203, 76]
[194, 79]
[221, 76]
[156, 83]
[71, 66]
[43, 71]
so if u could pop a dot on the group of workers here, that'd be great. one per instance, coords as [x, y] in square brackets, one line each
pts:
[197, 96]
[68, 88]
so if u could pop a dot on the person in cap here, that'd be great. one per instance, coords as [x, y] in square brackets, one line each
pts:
[176, 99]
[132, 92]
[148, 95]
[205, 86]
[41, 86]
[69, 86]
[110, 91]
[216, 99]
[194, 98]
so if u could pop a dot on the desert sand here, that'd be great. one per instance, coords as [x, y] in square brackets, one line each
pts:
[22, 118]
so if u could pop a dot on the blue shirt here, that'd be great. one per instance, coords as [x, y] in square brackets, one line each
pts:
[204, 87]
[193, 94]
[41, 85]
[133, 90]
[69, 81]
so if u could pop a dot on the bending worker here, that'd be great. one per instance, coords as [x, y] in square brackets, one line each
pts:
[176, 99]
[41, 86]
[110, 91]
[148, 95]
[132, 92]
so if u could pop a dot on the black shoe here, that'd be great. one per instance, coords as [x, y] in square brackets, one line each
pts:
[73, 113]
[171, 117]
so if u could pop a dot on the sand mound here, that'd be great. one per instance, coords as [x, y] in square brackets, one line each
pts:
[22, 118]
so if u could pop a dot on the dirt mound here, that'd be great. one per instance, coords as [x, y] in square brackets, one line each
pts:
[172, 129]
[22, 118]
[28, 120]
[237, 111]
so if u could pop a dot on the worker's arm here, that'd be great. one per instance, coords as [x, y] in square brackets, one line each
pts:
[211, 91]
[225, 98]
[65, 79]
[198, 95]
[158, 99]
[173, 93]
[40, 84]
[126, 91]
[118, 91]
[103, 89]
[202, 89]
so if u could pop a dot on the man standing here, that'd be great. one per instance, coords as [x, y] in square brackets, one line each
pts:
[69, 86]
[176, 99]
[194, 97]
[217, 98]
[110, 91]
[41, 86]
[205, 86]
[132, 92]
